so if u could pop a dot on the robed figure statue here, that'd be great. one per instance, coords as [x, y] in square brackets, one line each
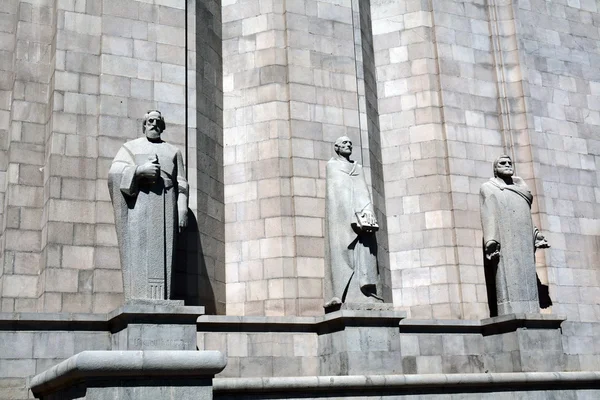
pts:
[351, 272]
[149, 192]
[509, 242]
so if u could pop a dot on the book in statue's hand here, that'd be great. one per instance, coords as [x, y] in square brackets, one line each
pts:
[363, 223]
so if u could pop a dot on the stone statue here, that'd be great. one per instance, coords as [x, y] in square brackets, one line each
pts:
[149, 193]
[509, 242]
[351, 245]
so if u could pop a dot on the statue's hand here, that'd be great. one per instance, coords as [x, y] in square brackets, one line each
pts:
[492, 250]
[149, 170]
[183, 220]
[541, 242]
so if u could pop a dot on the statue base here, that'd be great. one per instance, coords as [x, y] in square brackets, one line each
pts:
[359, 307]
[154, 325]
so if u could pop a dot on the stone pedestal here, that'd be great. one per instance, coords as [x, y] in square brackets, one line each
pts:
[131, 375]
[523, 343]
[360, 342]
[154, 325]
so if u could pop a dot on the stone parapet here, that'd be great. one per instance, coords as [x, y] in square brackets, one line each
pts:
[100, 374]
[526, 385]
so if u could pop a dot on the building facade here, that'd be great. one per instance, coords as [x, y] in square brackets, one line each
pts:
[255, 92]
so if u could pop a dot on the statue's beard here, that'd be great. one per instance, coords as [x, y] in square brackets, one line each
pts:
[153, 133]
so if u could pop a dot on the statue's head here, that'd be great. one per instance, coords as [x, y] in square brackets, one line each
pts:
[343, 146]
[503, 167]
[153, 125]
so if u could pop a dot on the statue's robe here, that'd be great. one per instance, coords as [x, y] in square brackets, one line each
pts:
[352, 275]
[506, 219]
[146, 216]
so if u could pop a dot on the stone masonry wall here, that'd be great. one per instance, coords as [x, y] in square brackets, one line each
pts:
[201, 265]
[431, 93]
[559, 43]
[29, 71]
[291, 88]
[8, 16]
[77, 80]
[424, 270]
[460, 83]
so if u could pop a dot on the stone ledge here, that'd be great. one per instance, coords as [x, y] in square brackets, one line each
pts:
[511, 322]
[53, 321]
[120, 364]
[140, 312]
[152, 312]
[425, 382]
[488, 326]
[334, 320]
[440, 326]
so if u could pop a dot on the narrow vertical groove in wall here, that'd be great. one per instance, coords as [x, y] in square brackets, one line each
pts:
[185, 101]
[290, 147]
[504, 111]
[354, 6]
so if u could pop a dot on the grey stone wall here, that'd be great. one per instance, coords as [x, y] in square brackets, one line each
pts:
[293, 82]
[27, 72]
[430, 92]
[200, 271]
[30, 352]
[559, 48]
[81, 76]
[458, 84]
[370, 137]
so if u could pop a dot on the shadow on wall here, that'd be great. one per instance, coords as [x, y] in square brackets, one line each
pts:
[190, 275]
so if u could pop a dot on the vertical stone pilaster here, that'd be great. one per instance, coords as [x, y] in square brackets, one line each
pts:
[9, 17]
[28, 123]
[202, 262]
[442, 92]
[293, 83]
[370, 133]
[421, 240]
[70, 168]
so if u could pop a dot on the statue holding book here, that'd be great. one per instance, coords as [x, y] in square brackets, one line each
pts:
[351, 245]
